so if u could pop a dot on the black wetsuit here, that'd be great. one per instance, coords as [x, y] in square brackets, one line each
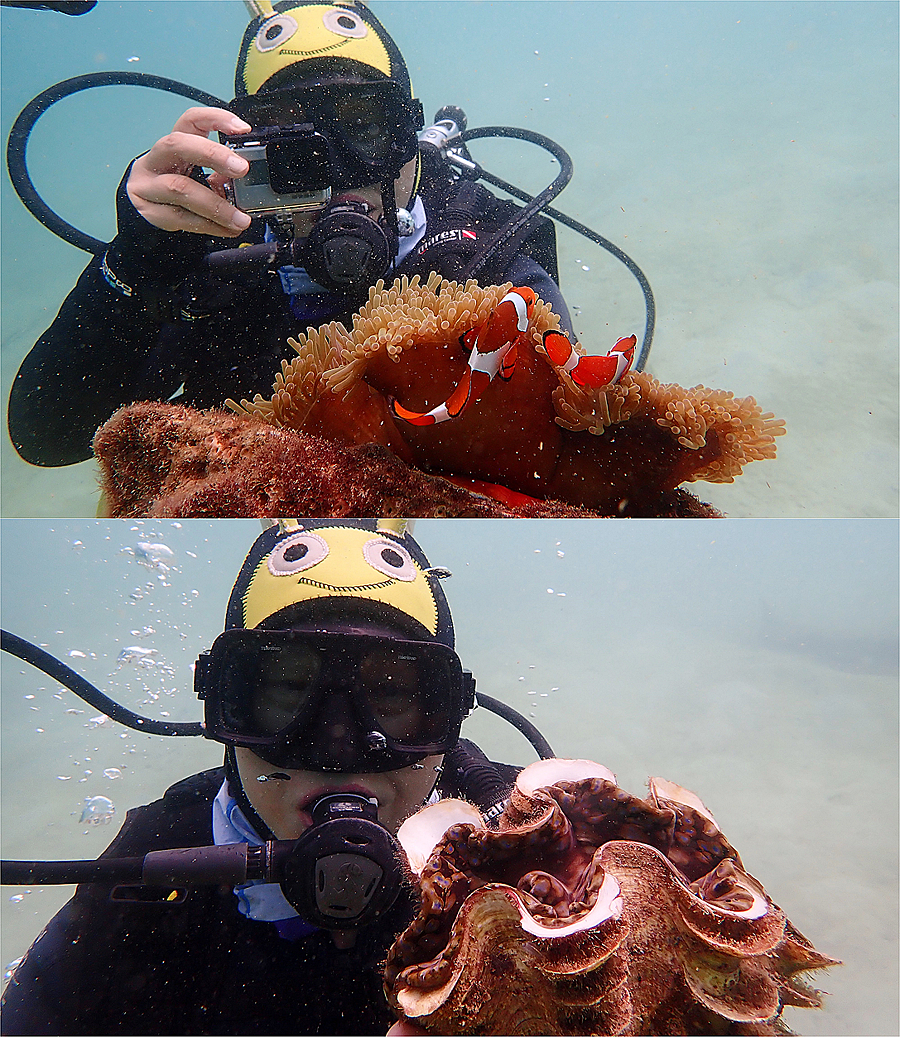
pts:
[150, 321]
[199, 966]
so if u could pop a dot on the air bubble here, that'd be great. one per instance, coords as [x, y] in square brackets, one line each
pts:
[11, 967]
[136, 655]
[98, 810]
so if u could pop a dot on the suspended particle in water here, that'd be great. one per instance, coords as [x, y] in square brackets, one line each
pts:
[98, 721]
[17, 898]
[73, 653]
[112, 773]
[98, 810]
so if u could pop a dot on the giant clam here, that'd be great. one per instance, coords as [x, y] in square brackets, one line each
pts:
[585, 909]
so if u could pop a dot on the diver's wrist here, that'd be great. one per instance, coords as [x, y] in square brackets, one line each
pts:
[142, 254]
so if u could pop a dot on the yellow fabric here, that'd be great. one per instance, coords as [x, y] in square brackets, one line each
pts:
[343, 572]
[313, 39]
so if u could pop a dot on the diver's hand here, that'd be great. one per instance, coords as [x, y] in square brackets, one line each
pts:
[160, 186]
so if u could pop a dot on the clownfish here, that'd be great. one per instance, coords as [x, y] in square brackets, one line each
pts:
[493, 344]
[592, 372]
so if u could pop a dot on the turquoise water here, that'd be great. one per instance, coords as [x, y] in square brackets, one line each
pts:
[743, 153]
[753, 662]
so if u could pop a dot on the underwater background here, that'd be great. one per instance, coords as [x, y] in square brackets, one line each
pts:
[743, 153]
[752, 662]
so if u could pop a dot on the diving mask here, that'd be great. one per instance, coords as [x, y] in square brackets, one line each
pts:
[336, 701]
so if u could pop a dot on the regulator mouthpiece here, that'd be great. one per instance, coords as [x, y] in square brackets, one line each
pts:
[343, 872]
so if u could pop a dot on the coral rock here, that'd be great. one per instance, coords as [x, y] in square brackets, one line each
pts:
[163, 460]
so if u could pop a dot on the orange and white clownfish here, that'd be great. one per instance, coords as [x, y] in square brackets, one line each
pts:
[592, 372]
[493, 344]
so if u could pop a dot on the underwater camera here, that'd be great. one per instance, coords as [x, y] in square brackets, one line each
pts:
[289, 172]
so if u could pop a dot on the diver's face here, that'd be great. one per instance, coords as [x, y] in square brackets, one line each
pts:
[371, 195]
[283, 805]
[287, 679]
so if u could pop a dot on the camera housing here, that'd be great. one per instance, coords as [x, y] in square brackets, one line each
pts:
[289, 171]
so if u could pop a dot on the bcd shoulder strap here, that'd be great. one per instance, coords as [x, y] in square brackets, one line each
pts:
[462, 217]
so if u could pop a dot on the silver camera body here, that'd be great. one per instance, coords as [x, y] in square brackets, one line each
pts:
[254, 193]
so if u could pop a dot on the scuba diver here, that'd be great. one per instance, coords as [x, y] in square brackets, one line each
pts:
[317, 188]
[338, 696]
